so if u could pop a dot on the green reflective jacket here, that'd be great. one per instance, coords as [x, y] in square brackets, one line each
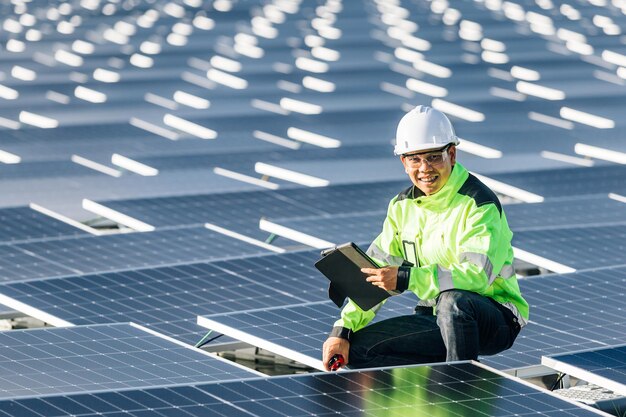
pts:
[457, 238]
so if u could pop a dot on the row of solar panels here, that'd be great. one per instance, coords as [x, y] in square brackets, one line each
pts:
[99, 280]
[584, 308]
[462, 388]
[357, 74]
[562, 229]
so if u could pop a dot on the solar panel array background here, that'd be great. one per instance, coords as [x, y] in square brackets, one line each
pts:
[169, 299]
[104, 357]
[369, 77]
[584, 310]
[91, 254]
[459, 389]
[21, 224]
[607, 366]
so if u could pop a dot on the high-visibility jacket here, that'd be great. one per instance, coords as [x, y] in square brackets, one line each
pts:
[457, 238]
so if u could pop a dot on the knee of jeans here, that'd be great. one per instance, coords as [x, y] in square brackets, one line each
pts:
[454, 303]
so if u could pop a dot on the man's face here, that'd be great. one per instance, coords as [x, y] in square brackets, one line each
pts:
[430, 171]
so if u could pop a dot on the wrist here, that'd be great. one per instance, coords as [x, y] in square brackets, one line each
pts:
[403, 276]
[341, 332]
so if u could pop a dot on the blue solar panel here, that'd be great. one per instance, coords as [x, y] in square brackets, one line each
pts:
[169, 299]
[578, 248]
[605, 367]
[569, 182]
[568, 312]
[355, 227]
[120, 252]
[296, 332]
[446, 389]
[295, 202]
[15, 265]
[103, 357]
[22, 224]
[217, 208]
[575, 212]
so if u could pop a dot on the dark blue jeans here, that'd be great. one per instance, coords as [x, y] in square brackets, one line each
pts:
[466, 325]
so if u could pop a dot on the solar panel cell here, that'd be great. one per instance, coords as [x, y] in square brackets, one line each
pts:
[447, 389]
[103, 357]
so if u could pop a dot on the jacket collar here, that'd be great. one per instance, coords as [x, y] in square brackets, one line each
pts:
[442, 197]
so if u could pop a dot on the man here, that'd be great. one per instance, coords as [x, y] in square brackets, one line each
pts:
[447, 240]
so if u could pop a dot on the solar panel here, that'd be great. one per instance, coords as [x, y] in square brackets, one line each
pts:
[296, 332]
[570, 213]
[83, 255]
[577, 237]
[15, 265]
[169, 299]
[568, 312]
[444, 389]
[343, 198]
[604, 367]
[103, 357]
[578, 248]
[295, 202]
[355, 227]
[22, 224]
[569, 182]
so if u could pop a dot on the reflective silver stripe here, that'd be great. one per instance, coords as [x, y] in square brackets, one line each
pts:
[431, 302]
[375, 252]
[481, 261]
[507, 271]
[444, 276]
[520, 319]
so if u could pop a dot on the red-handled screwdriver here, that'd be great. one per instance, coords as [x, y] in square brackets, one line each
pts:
[336, 362]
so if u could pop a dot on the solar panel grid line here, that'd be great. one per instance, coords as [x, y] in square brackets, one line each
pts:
[23, 224]
[604, 367]
[186, 346]
[296, 332]
[33, 312]
[98, 255]
[293, 234]
[168, 299]
[568, 312]
[451, 389]
[532, 386]
[105, 357]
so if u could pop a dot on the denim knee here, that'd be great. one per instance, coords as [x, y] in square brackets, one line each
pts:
[454, 303]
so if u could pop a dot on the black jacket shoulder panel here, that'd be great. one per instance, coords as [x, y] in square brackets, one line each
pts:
[411, 192]
[408, 193]
[474, 188]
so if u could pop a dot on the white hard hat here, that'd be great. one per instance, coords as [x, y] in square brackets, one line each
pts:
[422, 129]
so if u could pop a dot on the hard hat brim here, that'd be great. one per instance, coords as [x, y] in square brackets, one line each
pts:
[423, 148]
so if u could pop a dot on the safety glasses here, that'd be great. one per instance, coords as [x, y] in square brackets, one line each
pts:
[431, 158]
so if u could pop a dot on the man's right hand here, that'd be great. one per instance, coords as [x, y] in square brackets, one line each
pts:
[333, 346]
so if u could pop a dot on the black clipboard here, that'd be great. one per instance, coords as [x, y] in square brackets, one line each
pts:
[342, 266]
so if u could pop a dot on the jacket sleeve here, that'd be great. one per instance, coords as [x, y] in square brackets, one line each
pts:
[481, 249]
[384, 251]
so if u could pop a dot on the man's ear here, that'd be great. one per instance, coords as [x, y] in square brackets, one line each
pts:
[452, 153]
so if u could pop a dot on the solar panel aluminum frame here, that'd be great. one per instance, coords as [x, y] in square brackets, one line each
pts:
[57, 362]
[260, 342]
[530, 385]
[204, 352]
[554, 363]
[34, 312]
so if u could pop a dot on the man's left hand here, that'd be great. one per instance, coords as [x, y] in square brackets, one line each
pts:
[385, 278]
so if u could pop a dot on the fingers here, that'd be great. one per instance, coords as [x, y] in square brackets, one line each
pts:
[332, 346]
